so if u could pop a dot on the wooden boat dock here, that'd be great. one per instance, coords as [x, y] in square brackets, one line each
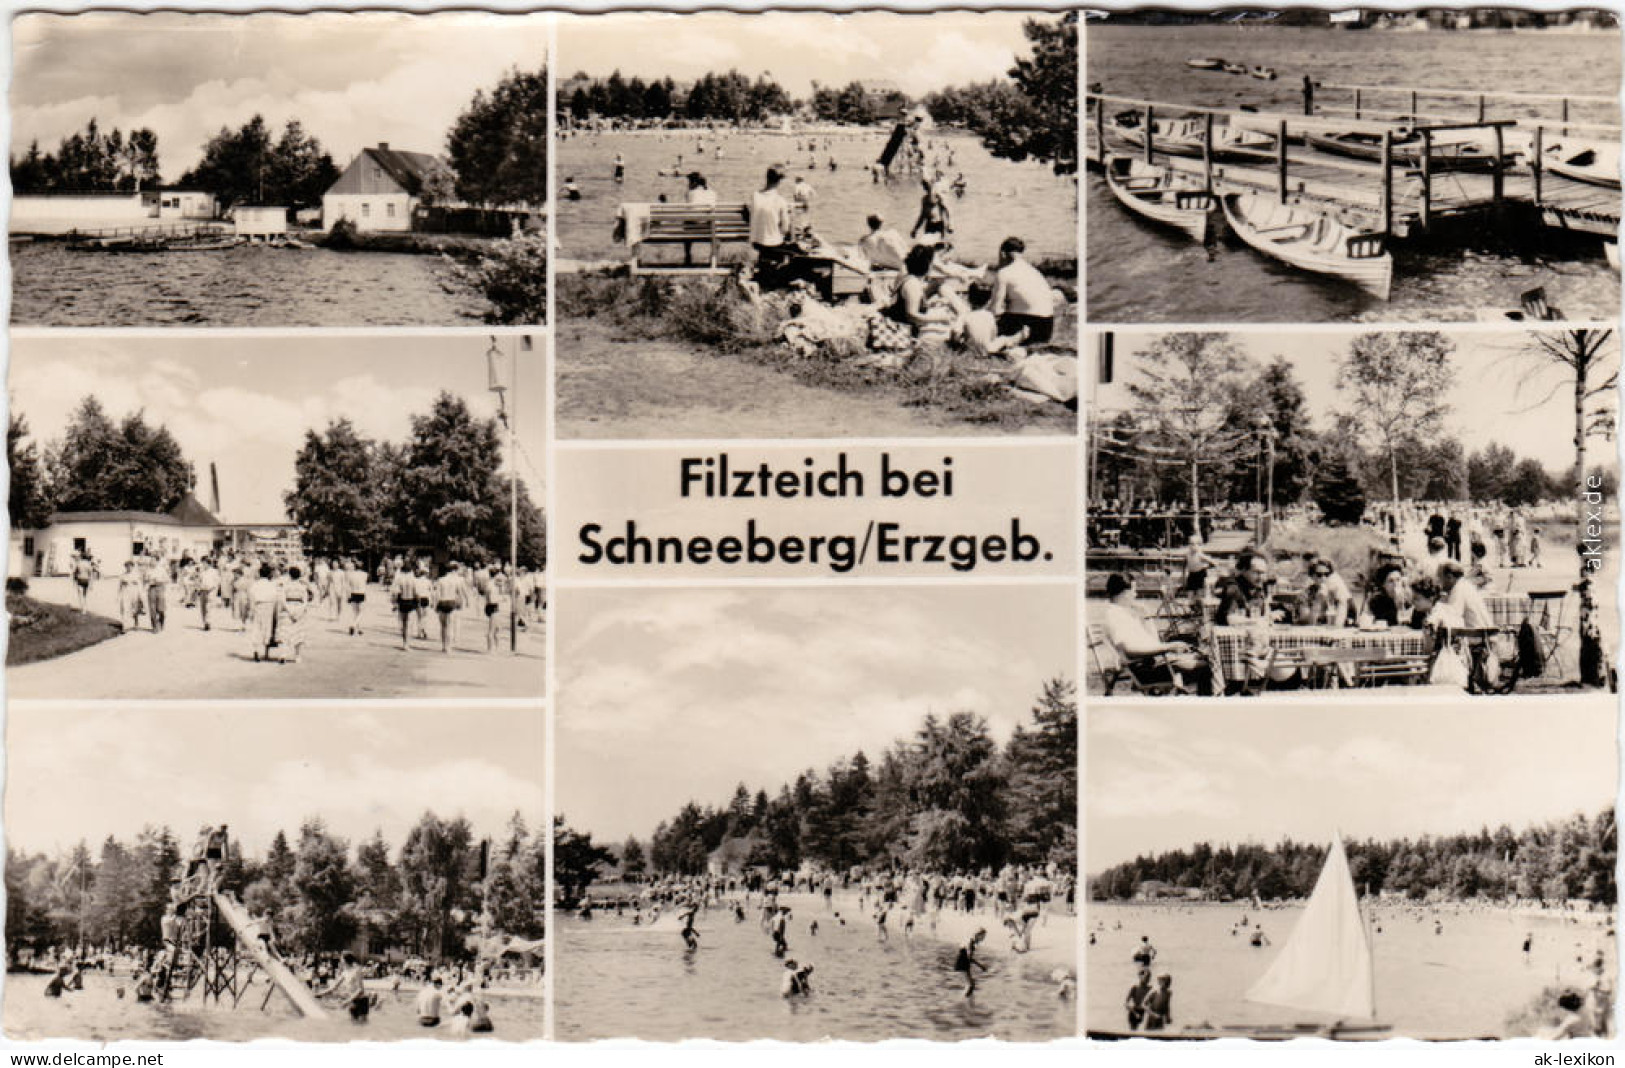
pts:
[149, 238]
[1400, 200]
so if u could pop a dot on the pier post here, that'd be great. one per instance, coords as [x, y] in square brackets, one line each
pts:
[1388, 183]
[1280, 157]
[1100, 129]
[1427, 180]
[1480, 107]
[1356, 103]
[1308, 95]
[1565, 116]
[1150, 125]
[1498, 174]
[1413, 105]
[1535, 161]
[1207, 148]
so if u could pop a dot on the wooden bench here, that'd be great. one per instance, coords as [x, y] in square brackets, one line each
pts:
[689, 225]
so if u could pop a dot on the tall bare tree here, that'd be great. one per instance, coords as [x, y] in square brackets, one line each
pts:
[1585, 361]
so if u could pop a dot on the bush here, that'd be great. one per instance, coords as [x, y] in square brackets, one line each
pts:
[342, 236]
[16, 587]
[512, 276]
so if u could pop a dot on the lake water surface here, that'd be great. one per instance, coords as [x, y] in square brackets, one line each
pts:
[1464, 982]
[619, 980]
[245, 286]
[99, 1014]
[1002, 198]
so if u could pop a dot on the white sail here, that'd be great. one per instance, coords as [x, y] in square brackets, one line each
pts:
[1325, 965]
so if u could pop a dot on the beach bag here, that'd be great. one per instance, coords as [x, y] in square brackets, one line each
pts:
[888, 335]
[1448, 669]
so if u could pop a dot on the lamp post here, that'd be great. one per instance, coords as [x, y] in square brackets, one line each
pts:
[1266, 431]
[493, 359]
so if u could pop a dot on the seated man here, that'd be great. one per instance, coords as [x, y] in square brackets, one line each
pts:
[1023, 300]
[1135, 639]
[1246, 595]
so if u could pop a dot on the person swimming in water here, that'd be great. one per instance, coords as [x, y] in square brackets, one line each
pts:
[1145, 953]
[797, 980]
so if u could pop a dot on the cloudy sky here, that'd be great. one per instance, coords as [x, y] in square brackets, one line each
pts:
[1167, 777]
[798, 48]
[91, 773]
[671, 695]
[352, 79]
[245, 402]
[1500, 394]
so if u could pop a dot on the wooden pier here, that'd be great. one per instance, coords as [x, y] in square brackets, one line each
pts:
[143, 237]
[1391, 196]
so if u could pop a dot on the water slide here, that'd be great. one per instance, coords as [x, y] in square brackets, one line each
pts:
[247, 942]
[889, 153]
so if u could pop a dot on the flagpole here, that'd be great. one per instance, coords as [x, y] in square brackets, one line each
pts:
[513, 507]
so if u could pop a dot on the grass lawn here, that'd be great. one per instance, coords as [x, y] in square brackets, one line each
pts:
[41, 631]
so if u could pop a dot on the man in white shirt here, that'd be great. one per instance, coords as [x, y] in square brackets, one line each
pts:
[1463, 597]
[1022, 297]
[769, 216]
[769, 228]
[884, 247]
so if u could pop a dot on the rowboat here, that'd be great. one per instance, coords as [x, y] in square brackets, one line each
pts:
[1457, 155]
[1209, 63]
[212, 245]
[1183, 137]
[1160, 194]
[1596, 162]
[1235, 68]
[1311, 241]
[1263, 74]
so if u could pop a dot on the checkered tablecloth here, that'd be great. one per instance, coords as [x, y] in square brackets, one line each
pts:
[1239, 647]
[1509, 609]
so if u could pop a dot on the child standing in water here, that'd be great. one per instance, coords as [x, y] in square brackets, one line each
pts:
[966, 960]
[691, 937]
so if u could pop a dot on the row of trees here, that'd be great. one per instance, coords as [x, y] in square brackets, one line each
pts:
[424, 897]
[1031, 114]
[1571, 859]
[249, 165]
[97, 465]
[950, 798]
[1203, 411]
[730, 97]
[443, 488]
[855, 104]
[89, 161]
[496, 152]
